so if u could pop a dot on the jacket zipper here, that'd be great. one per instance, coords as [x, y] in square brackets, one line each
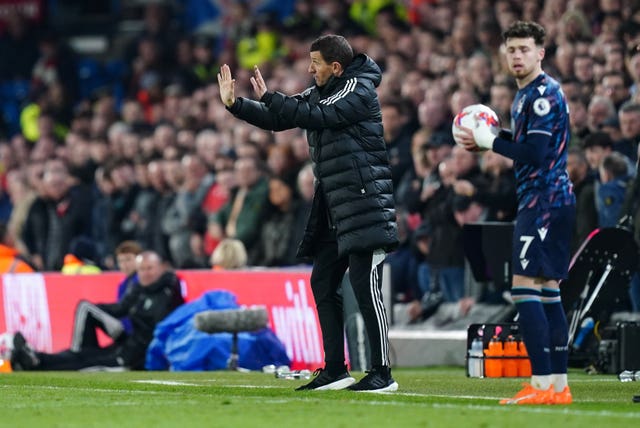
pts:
[357, 168]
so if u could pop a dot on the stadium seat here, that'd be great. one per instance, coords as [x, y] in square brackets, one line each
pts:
[91, 76]
[14, 90]
[116, 71]
[11, 116]
[13, 95]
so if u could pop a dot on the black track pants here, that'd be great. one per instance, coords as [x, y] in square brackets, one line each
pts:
[365, 274]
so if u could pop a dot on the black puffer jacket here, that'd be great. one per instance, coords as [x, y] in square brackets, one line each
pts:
[145, 306]
[344, 130]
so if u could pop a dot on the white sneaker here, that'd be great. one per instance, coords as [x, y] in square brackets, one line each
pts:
[6, 346]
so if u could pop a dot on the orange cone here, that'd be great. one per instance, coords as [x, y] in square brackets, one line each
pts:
[5, 366]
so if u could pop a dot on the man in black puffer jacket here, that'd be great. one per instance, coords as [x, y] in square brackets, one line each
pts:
[352, 222]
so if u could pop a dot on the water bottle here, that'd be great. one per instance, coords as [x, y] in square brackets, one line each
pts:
[303, 374]
[585, 328]
[493, 358]
[295, 374]
[282, 372]
[629, 376]
[510, 365]
[475, 363]
[269, 369]
[524, 364]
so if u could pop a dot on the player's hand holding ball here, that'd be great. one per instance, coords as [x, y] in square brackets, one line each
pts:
[475, 127]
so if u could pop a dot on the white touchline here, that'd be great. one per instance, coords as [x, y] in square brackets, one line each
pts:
[167, 382]
[75, 388]
[198, 383]
[520, 409]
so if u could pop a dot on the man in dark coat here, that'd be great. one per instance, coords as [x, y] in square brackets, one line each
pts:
[58, 216]
[352, 222]
[146, 305]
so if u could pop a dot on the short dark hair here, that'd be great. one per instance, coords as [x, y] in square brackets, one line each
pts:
[629, 107]
[333, 48]
[570, 80]
[579, 154]
[128, 247]
[633, 50]
[399, 105]
[614, 73]
[615, 164]
[597, 139]
[524, 30]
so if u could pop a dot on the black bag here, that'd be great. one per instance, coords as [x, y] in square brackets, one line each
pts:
[619, 349]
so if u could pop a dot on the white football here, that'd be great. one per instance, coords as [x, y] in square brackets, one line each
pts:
[474, 116]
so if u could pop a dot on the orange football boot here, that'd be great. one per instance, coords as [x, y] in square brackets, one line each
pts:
[530, 395]
[563, 397]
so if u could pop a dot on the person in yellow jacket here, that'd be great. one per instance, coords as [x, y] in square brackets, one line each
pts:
[35, 117]
[74, 266]
[79, 261]
[365, 12]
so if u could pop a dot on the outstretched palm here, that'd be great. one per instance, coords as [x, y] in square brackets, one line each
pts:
[227, 86]
[259, 86]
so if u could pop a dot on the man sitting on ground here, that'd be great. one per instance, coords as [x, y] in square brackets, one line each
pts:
[156, 297]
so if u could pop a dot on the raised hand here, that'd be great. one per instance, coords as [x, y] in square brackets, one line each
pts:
[259, 87]
[227, 86]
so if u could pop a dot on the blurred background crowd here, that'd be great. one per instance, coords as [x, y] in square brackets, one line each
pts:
[112, 126]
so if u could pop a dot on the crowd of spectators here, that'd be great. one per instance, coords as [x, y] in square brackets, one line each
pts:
[155, 157]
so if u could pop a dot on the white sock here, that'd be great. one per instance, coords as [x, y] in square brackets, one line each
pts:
[559, 381]
[541, 382]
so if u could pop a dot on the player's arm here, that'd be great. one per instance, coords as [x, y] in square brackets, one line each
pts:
[534, 148]
[532, 151]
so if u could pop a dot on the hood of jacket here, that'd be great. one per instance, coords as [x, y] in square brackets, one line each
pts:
[361, 67]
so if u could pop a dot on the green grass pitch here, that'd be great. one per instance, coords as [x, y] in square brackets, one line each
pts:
[430, 397]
